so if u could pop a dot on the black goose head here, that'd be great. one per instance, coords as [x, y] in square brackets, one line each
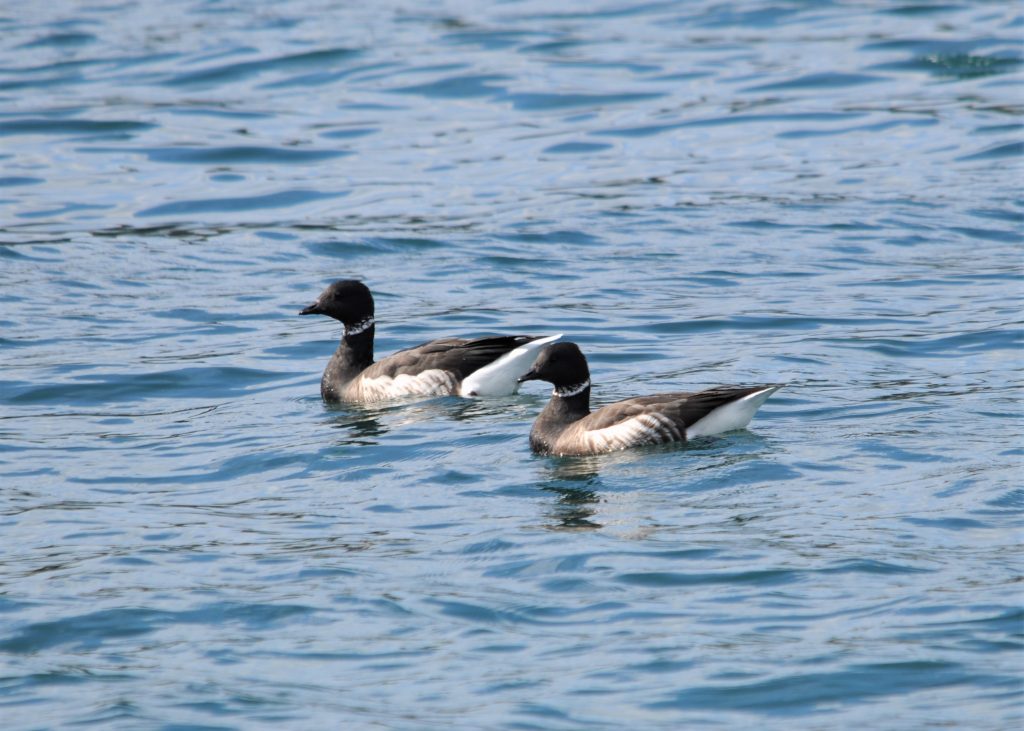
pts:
[346, 300]
[560, 364]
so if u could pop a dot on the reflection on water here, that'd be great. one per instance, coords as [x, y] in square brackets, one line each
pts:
[576, 483]
[360, 427]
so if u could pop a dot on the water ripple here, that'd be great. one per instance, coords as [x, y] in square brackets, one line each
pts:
[216, 75]
[92, 630]
[798, 694]
[282, 199]
[43, 126]
[225, 155]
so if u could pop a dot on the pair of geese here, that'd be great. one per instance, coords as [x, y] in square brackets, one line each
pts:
[495, 366]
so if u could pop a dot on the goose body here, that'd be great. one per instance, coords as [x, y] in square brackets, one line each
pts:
[444, 367]
[567, 426]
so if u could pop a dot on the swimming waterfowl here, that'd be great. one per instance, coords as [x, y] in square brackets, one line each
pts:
[444, 367]
[567, 426]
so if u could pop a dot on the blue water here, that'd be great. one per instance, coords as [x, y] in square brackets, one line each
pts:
[826, 194]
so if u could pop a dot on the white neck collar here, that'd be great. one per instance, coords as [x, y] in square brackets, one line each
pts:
[360, 327]
[569, 391]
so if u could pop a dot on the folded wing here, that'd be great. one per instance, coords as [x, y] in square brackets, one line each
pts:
[663, 418]
[438, 368]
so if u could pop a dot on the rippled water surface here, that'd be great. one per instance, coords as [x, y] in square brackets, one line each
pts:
[825, 194]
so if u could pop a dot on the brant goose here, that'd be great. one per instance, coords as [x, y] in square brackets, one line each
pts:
[566, 426]
[449, 366]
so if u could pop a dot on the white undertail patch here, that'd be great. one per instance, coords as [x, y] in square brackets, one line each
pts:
[733, 415]
[500, 377]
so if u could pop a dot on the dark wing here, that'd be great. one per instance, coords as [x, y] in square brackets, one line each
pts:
[656, 419]
[683, 408]
[455, 355]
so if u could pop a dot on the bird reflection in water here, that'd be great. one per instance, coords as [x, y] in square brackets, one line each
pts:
[360, 426]
[576, 483]
[365, 424]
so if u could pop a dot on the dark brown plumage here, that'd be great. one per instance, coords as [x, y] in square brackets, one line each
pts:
[436, 368]
[566, 426]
